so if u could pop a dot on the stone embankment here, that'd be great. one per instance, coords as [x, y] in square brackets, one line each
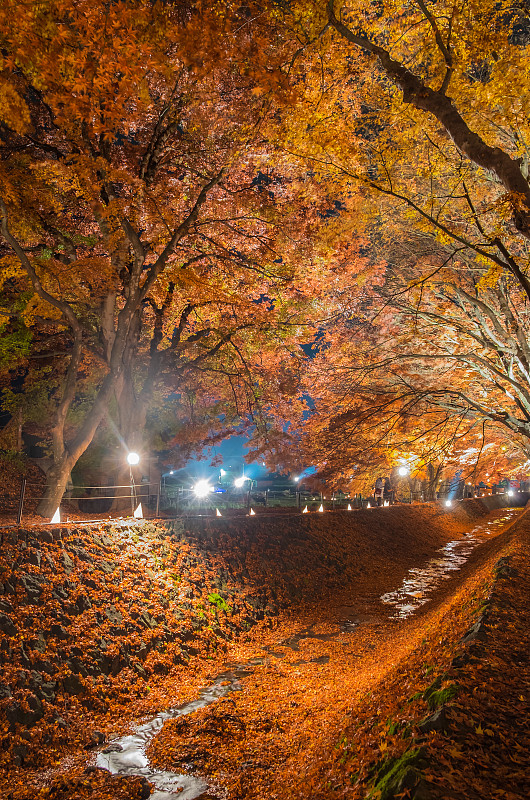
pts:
[92, 616]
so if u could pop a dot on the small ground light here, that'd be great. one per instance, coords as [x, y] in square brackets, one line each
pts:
[321, 507]
[305, 510]
[349, 507]
[133, 459]
[218, 513]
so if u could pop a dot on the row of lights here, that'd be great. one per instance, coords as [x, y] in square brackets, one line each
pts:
[203, 488]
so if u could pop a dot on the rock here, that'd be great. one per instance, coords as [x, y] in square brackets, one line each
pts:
[39, 643]
[504, 570]
[146, 619]
[32, 585]
[82, 602]
[423, 791]
[47, 691]
[48, 667]
[24, 656]
[477, 631]
[97, 738]
[137, 667]
[90, 582]
[5, 691]
[59, 632]
[72, 684]
[436, 722]
[35, 557]
[68, 563]
[77, 667]
[113, 615]
[7, 626]
[10, 586]
[35, 677]
[17, 715]
[81, 554]
[113, 748]
[59, 593]
[20, 754]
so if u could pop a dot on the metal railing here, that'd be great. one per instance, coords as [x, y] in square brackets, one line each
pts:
[162, 499]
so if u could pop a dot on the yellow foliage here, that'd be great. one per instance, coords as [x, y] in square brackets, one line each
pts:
[13, 109]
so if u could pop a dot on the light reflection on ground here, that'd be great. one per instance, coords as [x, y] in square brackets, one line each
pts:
[421, 582]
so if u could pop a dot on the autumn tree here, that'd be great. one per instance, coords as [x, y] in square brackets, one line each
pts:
[434, 96]
[147, 237]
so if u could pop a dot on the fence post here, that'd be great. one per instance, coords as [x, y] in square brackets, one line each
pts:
[21, 500]
[158, 498]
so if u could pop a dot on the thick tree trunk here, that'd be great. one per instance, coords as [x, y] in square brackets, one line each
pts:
[57, 477]
[56, 481]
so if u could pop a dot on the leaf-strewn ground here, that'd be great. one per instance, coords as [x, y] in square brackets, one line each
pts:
[119, 622]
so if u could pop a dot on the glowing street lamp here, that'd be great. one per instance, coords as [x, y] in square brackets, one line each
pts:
[240, 481]
[403, 471]
[132, 460]
[202, 489]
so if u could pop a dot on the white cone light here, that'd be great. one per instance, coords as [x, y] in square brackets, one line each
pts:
[138, 512]
[57, 516]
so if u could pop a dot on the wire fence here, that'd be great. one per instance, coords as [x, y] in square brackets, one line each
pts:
[160, 499]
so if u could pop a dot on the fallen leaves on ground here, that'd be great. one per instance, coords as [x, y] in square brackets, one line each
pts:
[168, 607]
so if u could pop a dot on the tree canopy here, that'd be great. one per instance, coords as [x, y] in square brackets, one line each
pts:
[193, 191]
[150, 242]
[435, 169]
